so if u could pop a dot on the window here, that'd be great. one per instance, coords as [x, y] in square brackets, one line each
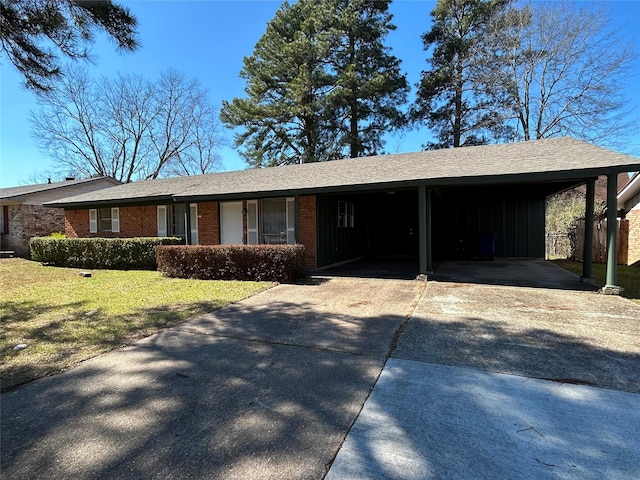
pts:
[177, 221]
[274, 220]
[172, 221]
[4, 219]
[104, 220]
[346, 217]
[271, 221]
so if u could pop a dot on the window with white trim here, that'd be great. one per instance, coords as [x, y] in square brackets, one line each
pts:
[104, 220]
[346, 214]
[172, 221]
[271, 221]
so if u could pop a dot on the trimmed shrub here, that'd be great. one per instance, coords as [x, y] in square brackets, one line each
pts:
[108, 253]
[275, 263]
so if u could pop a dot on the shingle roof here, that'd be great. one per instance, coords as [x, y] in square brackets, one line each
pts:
[13, 192]
[540, 160]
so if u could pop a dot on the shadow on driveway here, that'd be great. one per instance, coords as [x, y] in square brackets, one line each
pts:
[266, 388]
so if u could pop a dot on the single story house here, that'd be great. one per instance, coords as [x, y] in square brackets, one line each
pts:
[22, 215]
[628, 205]
[471, 201]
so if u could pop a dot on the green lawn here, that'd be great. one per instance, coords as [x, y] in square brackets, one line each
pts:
[64, 318]
[628, 277]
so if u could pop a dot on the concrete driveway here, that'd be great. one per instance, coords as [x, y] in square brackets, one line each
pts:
[264, 389]
[496, 381]
[271, 386]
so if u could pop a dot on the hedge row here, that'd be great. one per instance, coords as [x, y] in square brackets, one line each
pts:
[109, 253]
[276, 263]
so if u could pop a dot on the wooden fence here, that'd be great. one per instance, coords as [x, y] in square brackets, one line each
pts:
[599, 252]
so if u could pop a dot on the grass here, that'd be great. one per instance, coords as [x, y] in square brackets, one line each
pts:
[628, 277]
[64, 318]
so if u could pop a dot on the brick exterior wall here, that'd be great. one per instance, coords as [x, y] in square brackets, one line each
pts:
[27, 221]
[142, 222]
[308, 235]
[634, 237]
[208, 223]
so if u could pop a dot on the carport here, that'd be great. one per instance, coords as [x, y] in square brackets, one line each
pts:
[469, 203]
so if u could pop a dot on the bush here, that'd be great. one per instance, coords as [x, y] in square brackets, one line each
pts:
[276, 263]
[108, 253]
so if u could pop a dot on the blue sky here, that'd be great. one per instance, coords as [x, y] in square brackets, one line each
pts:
[207, 40]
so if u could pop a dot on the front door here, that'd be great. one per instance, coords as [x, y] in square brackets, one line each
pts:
[231, 223]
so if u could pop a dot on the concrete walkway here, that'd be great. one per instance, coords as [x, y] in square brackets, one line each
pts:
[270, 387]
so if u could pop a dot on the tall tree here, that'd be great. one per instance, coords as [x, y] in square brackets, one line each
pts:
[563, 67]
[283, 115]
[128, 127]
[321, 84]
[452, 99]
[368, 84]
[68, 25]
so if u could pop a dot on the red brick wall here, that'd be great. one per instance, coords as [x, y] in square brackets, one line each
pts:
[307, 234]
[208, 223]
[142, 222]
[634, 237]
[27, 221]
[134, 222]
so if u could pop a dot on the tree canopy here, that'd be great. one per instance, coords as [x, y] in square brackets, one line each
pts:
[320, 84]
[26, 26]
[453, 98]
[128, 127]
[562, 67]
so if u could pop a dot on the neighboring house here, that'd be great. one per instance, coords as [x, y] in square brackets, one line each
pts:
[431, 205]
[22, 215]
[629, 208]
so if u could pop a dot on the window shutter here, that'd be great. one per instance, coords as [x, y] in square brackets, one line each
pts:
[193, 209]
[115, 219]
[252, 222]
[93, 220]
[162, 220]
[291, 221]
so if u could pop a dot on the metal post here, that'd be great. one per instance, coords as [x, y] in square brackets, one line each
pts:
[612, 234]
[422, 229]
[587, 260]
[429, 243]
[424, 232]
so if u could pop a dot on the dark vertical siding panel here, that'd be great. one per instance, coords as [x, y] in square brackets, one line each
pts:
[510, 226]
[536, 240]
[497, 225]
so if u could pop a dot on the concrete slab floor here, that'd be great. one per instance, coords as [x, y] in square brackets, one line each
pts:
[426, 421]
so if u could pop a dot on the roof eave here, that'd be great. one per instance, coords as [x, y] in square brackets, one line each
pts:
[132, 201]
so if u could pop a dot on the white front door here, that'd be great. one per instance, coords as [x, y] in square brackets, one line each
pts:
[231, 223]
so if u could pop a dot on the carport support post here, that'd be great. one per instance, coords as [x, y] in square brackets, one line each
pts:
[587, 257]
[424, 231]
[612, 234]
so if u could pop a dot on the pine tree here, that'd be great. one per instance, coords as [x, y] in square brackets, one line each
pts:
[452, 99]
[68, 24]
[321, 85]
[369, 87]
[284, 115]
